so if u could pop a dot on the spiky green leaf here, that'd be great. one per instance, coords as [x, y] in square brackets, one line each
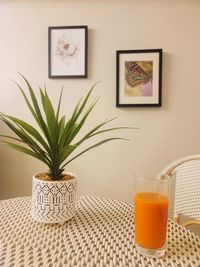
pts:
[79, 126]
[31, 130]
[36, 109]
[59, 104]
[93, 146]
[53, 142]
[26, 151]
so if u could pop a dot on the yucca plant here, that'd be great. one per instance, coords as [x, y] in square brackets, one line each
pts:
[54, 142]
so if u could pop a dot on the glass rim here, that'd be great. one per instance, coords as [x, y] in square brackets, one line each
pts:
[159, 177]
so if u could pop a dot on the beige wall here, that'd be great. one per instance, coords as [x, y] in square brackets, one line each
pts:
[165, 133]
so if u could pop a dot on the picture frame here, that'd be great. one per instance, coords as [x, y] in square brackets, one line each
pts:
[139, 78]
[67, 51]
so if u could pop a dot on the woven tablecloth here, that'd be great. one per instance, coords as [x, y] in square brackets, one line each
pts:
[100, 234]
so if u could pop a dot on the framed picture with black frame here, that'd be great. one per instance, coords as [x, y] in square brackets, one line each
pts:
[139, 78]
[67, 51]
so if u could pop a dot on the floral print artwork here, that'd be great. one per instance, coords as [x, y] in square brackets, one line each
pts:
[66, 50]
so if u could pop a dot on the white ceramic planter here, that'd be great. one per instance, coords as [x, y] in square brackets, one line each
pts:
[53, 201]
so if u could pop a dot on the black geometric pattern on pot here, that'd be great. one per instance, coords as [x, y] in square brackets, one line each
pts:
[53, 201]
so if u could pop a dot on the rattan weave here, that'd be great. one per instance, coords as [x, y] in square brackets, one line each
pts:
[101, 234]
[187, 194]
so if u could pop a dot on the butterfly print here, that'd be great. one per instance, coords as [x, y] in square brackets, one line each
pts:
[135, 75]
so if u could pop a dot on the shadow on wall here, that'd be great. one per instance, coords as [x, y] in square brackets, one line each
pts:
[12, 182]
[4, 172]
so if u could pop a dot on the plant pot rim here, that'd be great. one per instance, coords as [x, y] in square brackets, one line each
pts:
[73, 177]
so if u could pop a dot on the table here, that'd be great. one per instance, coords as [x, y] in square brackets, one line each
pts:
[101, 234]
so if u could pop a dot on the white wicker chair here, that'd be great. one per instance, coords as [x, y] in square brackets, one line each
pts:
[187, 188]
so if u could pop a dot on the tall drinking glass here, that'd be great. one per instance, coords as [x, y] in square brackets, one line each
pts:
[151, 203]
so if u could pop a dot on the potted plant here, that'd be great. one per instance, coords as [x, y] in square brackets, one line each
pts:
[53, 143]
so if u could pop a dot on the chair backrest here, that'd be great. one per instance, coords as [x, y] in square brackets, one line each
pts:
[187, 186]
[187, 189]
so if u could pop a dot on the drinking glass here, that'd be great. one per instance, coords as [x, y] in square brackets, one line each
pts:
[151, 203]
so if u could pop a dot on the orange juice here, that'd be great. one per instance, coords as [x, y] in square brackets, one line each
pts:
[151, 213]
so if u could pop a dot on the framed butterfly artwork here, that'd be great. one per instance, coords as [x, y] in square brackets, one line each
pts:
[139, 78]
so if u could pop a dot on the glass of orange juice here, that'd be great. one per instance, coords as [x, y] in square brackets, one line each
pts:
[151, 213]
